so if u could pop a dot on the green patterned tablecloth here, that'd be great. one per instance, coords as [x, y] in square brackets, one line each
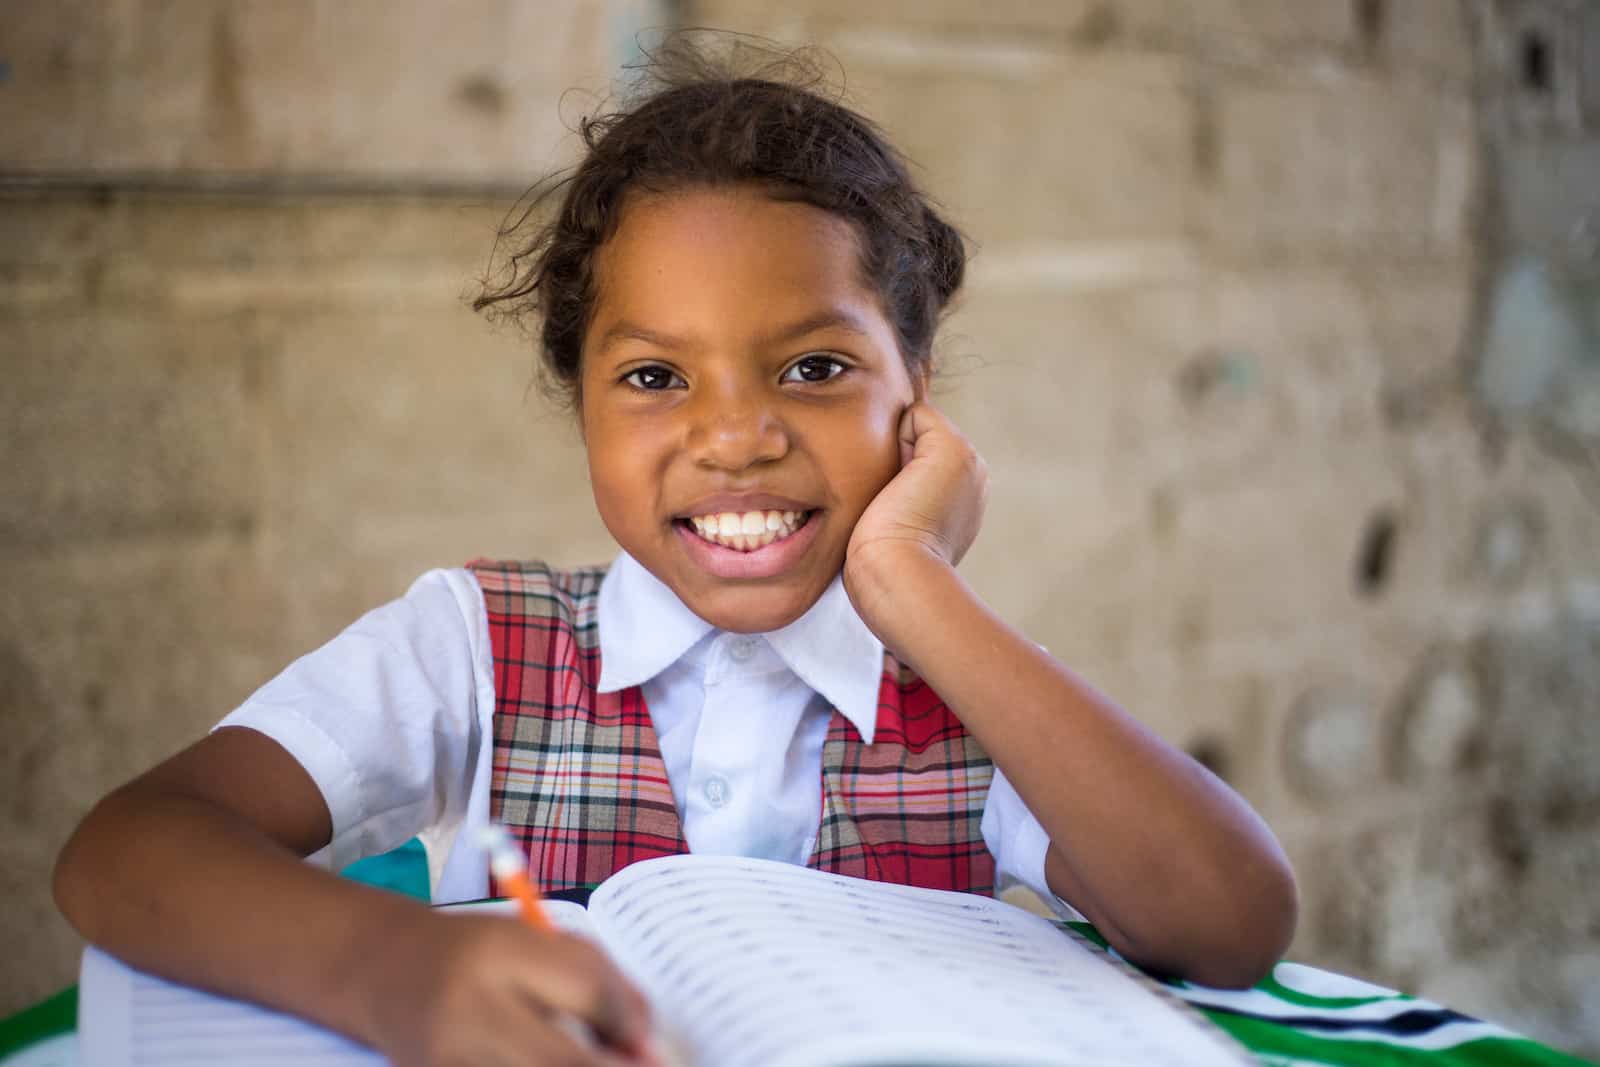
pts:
[1301, 1015]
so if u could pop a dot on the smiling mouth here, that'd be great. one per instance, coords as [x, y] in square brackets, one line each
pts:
[747, 531]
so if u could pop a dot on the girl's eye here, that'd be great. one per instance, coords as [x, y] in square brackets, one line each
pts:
[814, 369]
[651, 379]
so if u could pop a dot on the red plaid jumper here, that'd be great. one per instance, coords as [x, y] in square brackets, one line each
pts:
[578, 775]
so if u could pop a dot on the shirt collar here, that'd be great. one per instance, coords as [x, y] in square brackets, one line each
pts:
[644, 629]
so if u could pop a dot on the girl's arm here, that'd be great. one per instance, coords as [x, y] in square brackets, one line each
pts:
[193, 871]
[1169, 863]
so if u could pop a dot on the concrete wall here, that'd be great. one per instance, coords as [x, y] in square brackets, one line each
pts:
[1247, 346]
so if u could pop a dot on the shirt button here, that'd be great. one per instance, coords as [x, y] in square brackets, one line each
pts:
[716, 790]
[742, 649]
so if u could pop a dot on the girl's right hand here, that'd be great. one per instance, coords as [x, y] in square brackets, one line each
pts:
[487, 990]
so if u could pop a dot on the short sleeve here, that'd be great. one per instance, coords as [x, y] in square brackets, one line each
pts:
[384, 717]
[1018, 843]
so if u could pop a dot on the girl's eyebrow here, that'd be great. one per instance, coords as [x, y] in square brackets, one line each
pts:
[629, 331]
[836, 318]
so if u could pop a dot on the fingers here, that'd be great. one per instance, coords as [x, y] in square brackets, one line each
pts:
[925, 431]
[908, 433]
[527, 1037]
[921, 417]
[562, 1041]
[923, 426]
[575, 978]
[915, 421]
[488, 990]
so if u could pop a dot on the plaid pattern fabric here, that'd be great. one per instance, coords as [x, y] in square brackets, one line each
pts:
[907, 807]
[578, 775]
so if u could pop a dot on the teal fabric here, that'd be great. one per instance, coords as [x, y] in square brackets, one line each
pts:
[405, 870]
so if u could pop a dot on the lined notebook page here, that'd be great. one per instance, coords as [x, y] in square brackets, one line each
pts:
[130, 1018]
[762, 963]
[127, 1018]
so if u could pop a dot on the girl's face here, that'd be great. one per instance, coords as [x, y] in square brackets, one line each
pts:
[741, 397]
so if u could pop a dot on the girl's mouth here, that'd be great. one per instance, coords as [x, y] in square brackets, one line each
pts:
[776, 543]
[746, 531]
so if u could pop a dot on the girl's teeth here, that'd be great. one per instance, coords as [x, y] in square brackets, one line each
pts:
[749, 530]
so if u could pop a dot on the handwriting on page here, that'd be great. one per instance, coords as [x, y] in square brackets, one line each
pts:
[760, 964]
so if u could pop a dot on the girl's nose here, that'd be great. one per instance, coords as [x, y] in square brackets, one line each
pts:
[733, 434]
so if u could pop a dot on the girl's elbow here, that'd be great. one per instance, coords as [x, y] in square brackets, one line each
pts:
[77, 883]
[70, 881]
[1240, 969]
[1279, 902]
[1264, 925]
[1225, 930]
[1237, 972]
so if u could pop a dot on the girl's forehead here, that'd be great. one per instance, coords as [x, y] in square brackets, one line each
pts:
[728, 254]
[727, 227]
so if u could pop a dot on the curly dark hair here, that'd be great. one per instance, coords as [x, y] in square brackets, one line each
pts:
[693, 122]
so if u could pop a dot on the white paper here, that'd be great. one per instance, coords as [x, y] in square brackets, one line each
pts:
[751, 962]
[768, 964]
[131, 1018]
[58, 1051]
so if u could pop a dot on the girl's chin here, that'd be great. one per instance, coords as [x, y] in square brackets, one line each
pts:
[751, 607]
[757, 610]
[745, 592]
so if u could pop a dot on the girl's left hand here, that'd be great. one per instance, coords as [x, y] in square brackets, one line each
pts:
[933, 507]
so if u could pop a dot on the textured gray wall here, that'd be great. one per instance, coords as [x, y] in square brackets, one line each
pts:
[1281, 342]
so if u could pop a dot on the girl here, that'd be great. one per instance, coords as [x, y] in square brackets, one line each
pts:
[739, 292]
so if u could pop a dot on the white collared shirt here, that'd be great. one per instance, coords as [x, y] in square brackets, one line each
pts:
[741, 718]
[393, 720]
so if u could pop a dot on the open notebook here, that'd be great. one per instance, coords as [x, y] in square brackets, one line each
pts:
[750, 962]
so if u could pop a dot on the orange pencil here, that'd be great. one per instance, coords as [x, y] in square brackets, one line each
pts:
[509, 866]
[510, 869]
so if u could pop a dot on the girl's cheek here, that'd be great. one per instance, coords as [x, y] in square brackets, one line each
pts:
[873, 477]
